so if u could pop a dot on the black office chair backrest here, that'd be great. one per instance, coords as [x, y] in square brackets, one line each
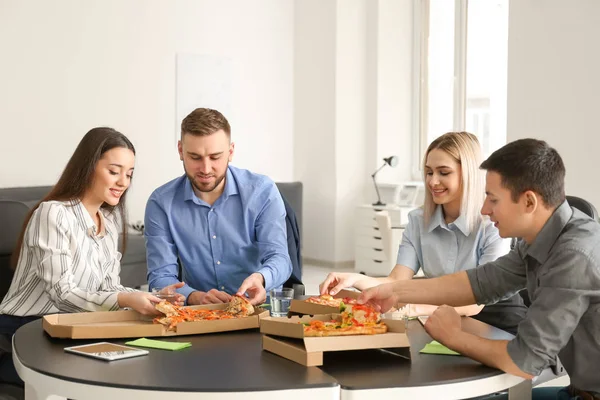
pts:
[583, 205]
[12, 217]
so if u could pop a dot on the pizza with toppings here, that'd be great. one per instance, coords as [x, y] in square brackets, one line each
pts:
[356, 319]
[238, 307]
[328, 300]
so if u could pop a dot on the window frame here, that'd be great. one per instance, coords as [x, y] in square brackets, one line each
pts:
[421, 17]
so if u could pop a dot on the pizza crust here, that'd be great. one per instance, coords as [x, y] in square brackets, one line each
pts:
[348, 331]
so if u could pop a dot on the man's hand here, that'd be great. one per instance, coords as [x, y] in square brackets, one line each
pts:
[254, 285]
[337, 281]
[171, 290]
[444, 325]
[381, 297]
[213, 296]
[142, 302]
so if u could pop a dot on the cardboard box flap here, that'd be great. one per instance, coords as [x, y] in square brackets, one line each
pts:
[289, 327]
[94, 317]
[355, 342]
[292, 349]
[395, 325]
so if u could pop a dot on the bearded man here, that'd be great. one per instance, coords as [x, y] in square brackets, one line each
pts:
[223, 225]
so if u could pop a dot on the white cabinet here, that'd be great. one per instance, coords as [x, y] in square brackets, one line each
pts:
[376, 244]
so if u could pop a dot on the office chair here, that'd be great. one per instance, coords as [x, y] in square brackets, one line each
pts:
[584, 206]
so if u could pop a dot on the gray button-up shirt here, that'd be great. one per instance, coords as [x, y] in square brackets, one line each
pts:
[561, 271]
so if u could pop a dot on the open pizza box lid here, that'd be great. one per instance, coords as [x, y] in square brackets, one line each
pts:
[285, 337]
[129, 323]
[301, 307]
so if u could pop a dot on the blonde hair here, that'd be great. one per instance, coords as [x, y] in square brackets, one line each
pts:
[465, 149]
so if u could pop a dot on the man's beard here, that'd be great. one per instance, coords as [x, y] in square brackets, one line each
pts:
[205, 188]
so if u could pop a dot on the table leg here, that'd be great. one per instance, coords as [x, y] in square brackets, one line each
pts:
[521, 391]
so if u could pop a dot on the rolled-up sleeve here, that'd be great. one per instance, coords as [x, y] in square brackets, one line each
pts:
[271, 237]
[407, 251]
[559, 302]
[499, 279]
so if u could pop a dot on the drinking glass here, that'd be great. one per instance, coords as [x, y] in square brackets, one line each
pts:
[280, 301]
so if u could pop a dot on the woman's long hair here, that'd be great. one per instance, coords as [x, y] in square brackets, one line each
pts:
[465, 149]
[78, 177]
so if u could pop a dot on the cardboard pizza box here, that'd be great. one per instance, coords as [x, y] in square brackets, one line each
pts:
[285, 337]
[301, 307]
[129, 323]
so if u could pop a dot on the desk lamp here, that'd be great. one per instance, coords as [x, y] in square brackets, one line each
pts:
[392, 161]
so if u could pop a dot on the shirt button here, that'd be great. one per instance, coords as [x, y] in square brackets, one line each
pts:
[214, 236]
[218, 262]
[222, 287]
[211, 210]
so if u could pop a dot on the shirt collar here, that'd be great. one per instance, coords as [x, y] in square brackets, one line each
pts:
[540, 248]
[230, 189]
[85, 219]
[437, 220]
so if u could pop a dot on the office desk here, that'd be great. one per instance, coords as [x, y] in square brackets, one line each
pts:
[376, 374]
[219, 366]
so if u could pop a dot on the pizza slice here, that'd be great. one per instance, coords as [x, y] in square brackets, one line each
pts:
[169, 309]
[356, 319]
[239, 306]
[324, 300]
[328, 300]
[360, 314]
[336, 328]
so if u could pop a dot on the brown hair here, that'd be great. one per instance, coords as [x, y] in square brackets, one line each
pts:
[530, 164]
[204, 122]
[78, 176]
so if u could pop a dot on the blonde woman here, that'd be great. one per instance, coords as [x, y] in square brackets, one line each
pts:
[448, 234]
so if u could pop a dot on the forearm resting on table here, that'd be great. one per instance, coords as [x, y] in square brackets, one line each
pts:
[454, 290]
[492, 353]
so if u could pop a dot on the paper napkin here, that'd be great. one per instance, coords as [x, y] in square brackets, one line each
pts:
[437, 348]
[159, 344]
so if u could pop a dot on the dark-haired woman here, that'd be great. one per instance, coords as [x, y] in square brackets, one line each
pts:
[67, 254]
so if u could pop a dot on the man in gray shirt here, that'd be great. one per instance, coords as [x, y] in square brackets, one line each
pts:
[557, 259]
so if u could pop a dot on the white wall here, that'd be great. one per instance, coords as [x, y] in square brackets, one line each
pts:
[70, 65]
[314, 122]
[321, 93]
[554, 83]
[351, 131]
[353, 78]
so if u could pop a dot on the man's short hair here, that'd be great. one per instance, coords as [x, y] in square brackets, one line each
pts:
[530, 164]
[204, 122]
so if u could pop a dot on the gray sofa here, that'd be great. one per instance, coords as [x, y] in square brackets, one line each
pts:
[15, 203]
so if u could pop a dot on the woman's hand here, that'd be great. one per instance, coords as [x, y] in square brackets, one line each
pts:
[142, 302]
[337, 281]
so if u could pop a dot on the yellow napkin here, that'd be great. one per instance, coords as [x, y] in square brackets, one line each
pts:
[159, 344]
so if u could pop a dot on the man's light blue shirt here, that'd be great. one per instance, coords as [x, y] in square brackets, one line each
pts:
[219, 246]
[441, 249]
